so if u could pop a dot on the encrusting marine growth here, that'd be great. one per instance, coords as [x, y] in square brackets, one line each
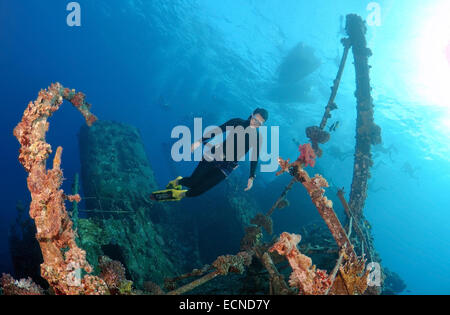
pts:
[314, 187]
[304, 276]
[63, 259]
[352, 279]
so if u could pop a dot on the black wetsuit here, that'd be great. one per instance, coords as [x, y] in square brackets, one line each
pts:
[210, 173]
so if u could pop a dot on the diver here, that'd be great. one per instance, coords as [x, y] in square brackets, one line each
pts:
[410, 170]
[211, 171]
[334, 126]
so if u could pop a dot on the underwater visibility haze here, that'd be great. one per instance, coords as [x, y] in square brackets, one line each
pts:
[349, 99]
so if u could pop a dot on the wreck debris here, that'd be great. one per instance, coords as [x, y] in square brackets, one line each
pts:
[264, 221]
[277, 284]
[367, 132]
[318, 134]
[74, 213]
[304, 276]
[153, 289]
[252, 238]
[113, 273]
[335, 272]
[352, 278]
[282, 197]
[170, 283]
[283, 204]
[223, 265]
[117, 178]
[232, 263]
[250, 246]
[331, 105]
[10, 286]
[63, 259]
[192, 285]
[324, 206]
[348, 276]
[366, 245]
[336, 269]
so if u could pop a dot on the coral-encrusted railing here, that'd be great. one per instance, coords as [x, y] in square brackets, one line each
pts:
[63, 259]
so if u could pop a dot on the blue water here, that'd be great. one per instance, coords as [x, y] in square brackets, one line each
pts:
[217, 60]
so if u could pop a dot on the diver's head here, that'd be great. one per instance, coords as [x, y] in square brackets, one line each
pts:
[258, 118]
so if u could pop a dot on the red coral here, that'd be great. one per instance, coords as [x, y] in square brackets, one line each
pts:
[78, 100]
[304, 276]
[307, 155]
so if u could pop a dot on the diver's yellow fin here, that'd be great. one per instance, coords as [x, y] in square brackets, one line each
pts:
[168, 195]
[172, 184]
[178, 194]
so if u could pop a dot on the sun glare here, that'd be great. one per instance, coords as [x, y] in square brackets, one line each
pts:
[433, 55]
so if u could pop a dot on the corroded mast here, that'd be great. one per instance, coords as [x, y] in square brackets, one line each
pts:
[367, 132]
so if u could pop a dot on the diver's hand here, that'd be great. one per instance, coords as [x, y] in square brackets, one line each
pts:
[195, 145]
[249, 184]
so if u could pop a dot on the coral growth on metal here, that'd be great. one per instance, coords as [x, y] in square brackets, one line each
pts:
[304, 276]
[113, 273]
[232, 263]
[314, 186]
[63, 259]
[351, 279]
[19, 287]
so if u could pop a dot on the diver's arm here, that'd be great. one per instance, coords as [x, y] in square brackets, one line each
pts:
[249, 184]
[254, 163]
